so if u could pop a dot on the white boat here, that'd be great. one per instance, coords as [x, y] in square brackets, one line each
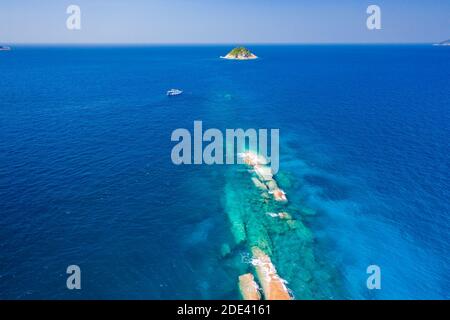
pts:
[174, 92]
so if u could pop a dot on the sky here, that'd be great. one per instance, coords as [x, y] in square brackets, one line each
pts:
[224, 21]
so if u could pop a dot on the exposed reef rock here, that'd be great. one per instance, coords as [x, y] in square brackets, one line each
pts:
[271, 234]
[248, 287]
[274, 287]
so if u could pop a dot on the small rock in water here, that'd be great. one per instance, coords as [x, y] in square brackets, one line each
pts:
[225, 250]
[308, 211]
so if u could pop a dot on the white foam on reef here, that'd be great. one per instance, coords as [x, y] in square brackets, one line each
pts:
[246, 258]
[270, 273]
[253, 159]
[281, 215]
[260, 209]
[279, 195]
[274, 287]
[255, 232]
[264, 174]
[272, 214]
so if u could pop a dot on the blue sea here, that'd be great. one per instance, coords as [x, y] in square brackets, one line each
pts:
[86, 176]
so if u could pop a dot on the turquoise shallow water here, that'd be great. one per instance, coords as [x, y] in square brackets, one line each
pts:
[86, 176]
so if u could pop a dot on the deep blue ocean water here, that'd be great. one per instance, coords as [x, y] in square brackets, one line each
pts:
[86, 176]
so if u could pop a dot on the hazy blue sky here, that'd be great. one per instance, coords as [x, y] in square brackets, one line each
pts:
[231, 21]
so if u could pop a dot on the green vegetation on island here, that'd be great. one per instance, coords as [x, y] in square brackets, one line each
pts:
[240, 53]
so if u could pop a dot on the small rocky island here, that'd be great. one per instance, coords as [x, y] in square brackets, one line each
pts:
[443, 43]
[240, 53]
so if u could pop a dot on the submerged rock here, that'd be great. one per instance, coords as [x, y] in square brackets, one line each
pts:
[258, 236]
[259, 184]
[308, 211]
[235, 215]
[225, 250]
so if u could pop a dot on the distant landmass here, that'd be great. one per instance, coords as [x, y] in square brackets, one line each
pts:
[443, 43]
[240, 53]
[4, 48]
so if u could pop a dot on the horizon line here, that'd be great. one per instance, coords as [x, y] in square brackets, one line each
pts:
[202, 43]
